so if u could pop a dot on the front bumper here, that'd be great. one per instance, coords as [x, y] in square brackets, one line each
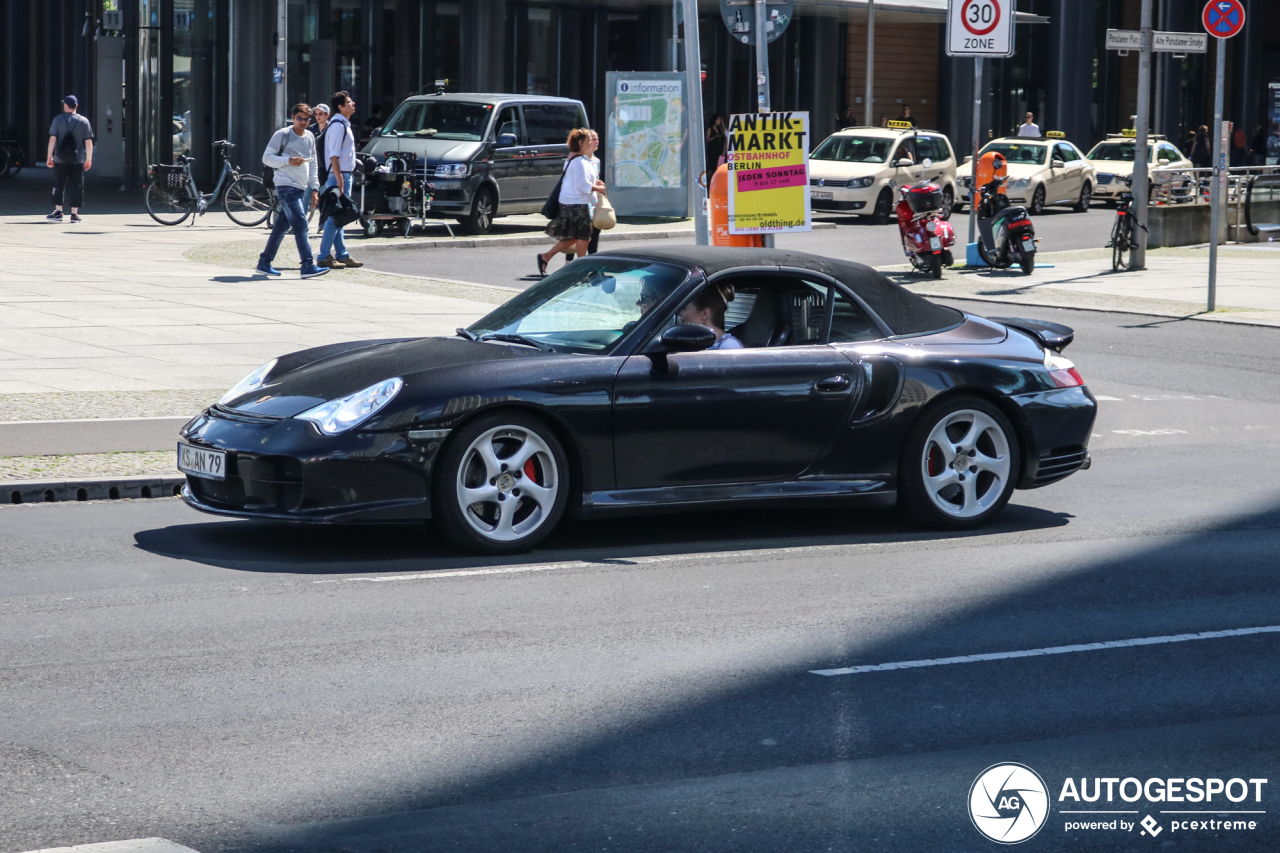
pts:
[843, 198]
[286, 470]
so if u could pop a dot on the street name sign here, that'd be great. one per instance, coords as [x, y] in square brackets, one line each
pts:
[1160, 42]
[1223, 18]
[768, 160]
[739, 17]
[980, 27]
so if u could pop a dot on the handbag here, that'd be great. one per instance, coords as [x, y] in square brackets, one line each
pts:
[551, 207]
[604, 216]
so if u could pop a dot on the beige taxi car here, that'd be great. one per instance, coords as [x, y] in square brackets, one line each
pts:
[1043, 170]
[858, 170]
[1113, 157]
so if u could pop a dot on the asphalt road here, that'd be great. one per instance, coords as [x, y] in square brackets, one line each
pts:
[646, 685]
[1060, 229]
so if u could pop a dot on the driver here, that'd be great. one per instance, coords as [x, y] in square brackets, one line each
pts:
[707, 309]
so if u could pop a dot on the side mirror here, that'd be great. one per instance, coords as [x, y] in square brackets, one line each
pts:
[968, 159]
[688, 337]
[927, 162]
[377, 131]
[904, 163]
[1057, 164]
[506, 140]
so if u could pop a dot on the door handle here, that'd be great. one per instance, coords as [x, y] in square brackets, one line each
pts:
[833, 384]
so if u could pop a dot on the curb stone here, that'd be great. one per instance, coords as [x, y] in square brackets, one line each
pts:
[95, 489]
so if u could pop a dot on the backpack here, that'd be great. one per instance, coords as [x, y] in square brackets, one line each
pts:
[268, 173]
[67, 149]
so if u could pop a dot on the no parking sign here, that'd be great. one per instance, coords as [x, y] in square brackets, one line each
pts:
[1223, 18]
[980, 27]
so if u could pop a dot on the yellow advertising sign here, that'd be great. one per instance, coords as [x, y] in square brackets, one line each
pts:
[900, 125]
[768, 160]
[1056, 134]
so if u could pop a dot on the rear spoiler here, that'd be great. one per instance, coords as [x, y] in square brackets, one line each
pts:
[1052, 336]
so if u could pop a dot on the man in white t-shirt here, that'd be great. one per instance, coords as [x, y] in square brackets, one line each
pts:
[1029, 127]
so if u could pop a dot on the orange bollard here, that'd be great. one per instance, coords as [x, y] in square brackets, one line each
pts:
[719, 195]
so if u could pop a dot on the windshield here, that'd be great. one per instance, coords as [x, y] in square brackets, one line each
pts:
[853, 149]
[1122, 151]
[586, 306]
[1016, 152]
[439, 120]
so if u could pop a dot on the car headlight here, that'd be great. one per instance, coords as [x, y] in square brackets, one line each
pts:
[860, 183]
[453, 170]
[352, 410]
[249, 383]
[1020, 184]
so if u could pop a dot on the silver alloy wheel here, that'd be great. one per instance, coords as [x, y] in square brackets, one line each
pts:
[484, 212]
[507, 483]
[1086, 198]
[966, 463]
[948, 203]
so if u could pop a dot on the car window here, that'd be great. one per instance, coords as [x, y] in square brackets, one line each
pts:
[941, 150]
[852, 149]
[549, 124]
[509, 122]
[439, 120]
[924, 148]
[1019, 152]
[585, 307]
[1169, 154]
[906, 149]
[1063, 153]
[849, 323]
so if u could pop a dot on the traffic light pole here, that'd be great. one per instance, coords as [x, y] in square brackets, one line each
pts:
[1219, 180]
[1141, 180]
[762, 74]
[693, 104]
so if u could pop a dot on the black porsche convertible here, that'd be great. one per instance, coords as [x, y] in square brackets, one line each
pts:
[588, 393]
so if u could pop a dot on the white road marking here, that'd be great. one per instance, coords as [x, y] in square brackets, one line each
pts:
[1053, 650]
[1149, 431]
[1156, 398]
[1108, 399]
[133, 845]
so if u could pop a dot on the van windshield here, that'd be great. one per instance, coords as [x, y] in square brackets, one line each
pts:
[853, 149]
[439, 120]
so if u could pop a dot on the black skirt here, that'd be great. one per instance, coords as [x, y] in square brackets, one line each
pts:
[573, 223]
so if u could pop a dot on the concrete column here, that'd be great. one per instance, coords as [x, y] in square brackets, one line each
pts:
[1248, 88]
[252, 93]
[1071, 54]
[819, 40]
[484, 45]
[955, 99]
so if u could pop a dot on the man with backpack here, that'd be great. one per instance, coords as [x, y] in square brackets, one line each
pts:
[340, 147]
[291, 154]
[70, 155]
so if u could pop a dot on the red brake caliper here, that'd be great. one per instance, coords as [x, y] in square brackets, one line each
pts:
[530, 471]
[935, 461]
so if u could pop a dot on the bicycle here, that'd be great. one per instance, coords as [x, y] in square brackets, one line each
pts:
[172, 195]
[275, 211]
[1122, 233]
[12, 158]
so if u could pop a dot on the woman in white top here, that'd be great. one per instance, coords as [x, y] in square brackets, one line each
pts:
[572, 228]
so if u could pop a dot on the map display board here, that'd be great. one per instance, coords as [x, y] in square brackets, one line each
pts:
[768, 159]
[646, 131]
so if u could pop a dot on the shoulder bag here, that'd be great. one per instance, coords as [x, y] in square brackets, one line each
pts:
[268, 173]
[551, 207]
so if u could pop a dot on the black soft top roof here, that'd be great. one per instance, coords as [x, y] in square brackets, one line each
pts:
[904, 312]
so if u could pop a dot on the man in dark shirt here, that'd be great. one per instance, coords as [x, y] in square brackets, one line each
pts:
[70, 155]
[906, 116]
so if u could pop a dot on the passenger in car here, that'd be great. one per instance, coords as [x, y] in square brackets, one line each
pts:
[707, 309]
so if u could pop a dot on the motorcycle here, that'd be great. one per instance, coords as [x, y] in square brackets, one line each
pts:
[1005, 234]
[927, 238]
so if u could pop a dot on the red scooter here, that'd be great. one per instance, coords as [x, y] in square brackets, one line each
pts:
[927, 238]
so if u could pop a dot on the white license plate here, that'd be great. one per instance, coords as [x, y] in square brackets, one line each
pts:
[1029, 244]
[198, 462]
[446, 185]
[935, 243]
[820, 196]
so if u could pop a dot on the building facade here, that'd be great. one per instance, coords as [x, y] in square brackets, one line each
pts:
[165, 77]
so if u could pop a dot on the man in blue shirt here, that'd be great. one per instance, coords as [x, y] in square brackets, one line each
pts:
[70, 156]
[340, 147]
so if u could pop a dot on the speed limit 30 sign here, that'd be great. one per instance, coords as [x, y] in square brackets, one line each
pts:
[980, 27]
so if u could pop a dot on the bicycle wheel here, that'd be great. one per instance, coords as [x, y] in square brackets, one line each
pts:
[248, 201]
[1120, 246]
[169, 207]
[17, 159]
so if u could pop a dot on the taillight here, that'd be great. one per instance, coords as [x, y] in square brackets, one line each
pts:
[1064, 373]
[1020, 223]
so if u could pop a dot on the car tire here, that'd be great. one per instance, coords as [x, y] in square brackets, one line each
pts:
[948, 202]
[959, 464]
[883, 209]
[1037, 201]
[1086, 197]
[495, 459]
[484, 207]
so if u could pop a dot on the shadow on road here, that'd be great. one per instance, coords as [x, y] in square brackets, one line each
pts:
[289, 548]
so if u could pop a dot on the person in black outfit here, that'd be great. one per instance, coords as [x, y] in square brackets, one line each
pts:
[1202, 156]
[70, 156]
[715, 143]
[317, 128]
[906, 115]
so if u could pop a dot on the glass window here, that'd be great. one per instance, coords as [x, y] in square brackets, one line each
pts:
[933, 147]
[808, 313]
[849, 323]
[1017, 152]
[509, 122]
[585, 307]
[439, 120]
[541, 77]
[1063, 152]
[549, 124]
[1116, 151]
[853, 149]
